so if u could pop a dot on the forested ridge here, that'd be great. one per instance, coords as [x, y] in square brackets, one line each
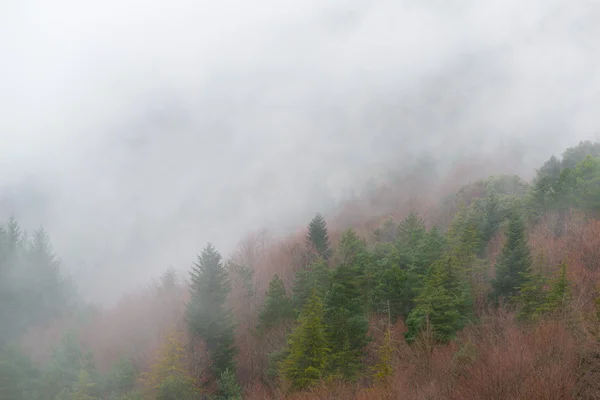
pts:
[489, 292]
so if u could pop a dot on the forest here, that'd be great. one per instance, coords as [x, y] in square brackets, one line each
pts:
[485, 289]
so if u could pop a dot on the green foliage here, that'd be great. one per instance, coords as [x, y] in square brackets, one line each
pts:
[318, 237]
[346, 322]
[207, 316]
[309, 351]
[63, 374]
[560, 290]
[33, 290]
[393, 284]
[278, 306]
[514, 262]
[492, 217]
[176, 387]
[386, 233]
[314, 276]
[445, 303]
[121, 377]
[17, 374]
[229, 389]
[533, 294]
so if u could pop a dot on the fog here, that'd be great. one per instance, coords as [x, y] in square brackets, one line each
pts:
[136, 131]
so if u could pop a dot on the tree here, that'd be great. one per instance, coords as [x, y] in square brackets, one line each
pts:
[560, 290]
[318, 237]
[444, 303]
[384, 367]
[278, 306]
[308, 348]
[346, 322]
[492, 217]
[207, 316]
[314, 276]
[514, 262]
[228, 387]
[533, 294]
[168, 378]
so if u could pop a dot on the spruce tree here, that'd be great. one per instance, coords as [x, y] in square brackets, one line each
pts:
[318, 237]
[560, 290]
[346, 322]
[278, 306]
[492, 217]
[308, 356]
[207, 316]
[514, 262]
[444, 303]
[314, 276]
[533, 295]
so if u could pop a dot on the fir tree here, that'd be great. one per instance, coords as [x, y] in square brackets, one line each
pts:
[229, 389]
[444, 303]
[533, 295]
[493, 216]
[384, 368]
[318, 237]
[560, 290]
[346, 322]
[514, 262]
[314, 276]
[308, 356]
[278, 306]
[207, 316]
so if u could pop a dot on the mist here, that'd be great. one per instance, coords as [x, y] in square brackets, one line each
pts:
[136, 131]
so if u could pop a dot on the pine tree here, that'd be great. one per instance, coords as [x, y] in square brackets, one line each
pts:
[278, 306]
[514, 262]
[207, 316]
[318, 237]
[445, 303]
[308, 356]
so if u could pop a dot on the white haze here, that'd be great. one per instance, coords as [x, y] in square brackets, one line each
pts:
[136, 131]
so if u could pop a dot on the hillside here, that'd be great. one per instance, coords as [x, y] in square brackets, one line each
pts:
[420, 289]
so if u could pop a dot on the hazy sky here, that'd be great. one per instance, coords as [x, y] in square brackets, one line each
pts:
[136, 131]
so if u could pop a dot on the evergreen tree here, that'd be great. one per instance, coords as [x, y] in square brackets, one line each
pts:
[168, 378]
[445, 303]
[393, 284]
[308, 356]
[314, 276]
[386, 233]
[411, 242]
[207, 316]
[492, 217]
[355, 255]
[560, 290]
[384, 367]
[228, 387]
[346, 322]
[533, 295]
[318, 237]
[278, 306]
[514, 262]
